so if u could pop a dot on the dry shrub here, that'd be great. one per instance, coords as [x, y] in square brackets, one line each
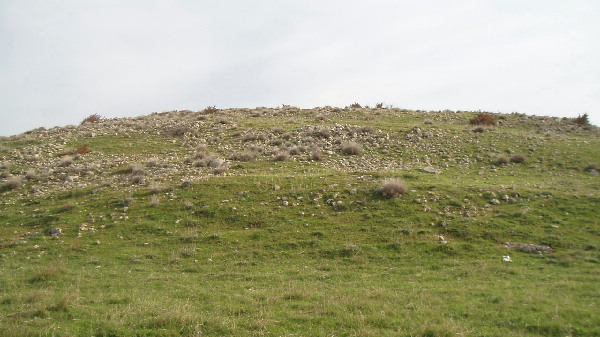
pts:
[220, 170]
[152, 162]
[392, 188]
[483, 118]
[13, 182]
[316, 155]
[30, 174]
[355, 106]
[502, 160]
[138, 180]
[582, 120]
[351, 148]
[379, 106]
[65, 161]
[244, 156]
[95, 118]
[517, 158]
[210, 109]
[282, 156]
[155, 188]
[296, 150]
[136, 170]
[154, 201]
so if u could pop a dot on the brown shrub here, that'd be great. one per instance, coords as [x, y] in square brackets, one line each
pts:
[392, 188]
[210, 109]
[582, 120]
[517, 158]
[95, 118]
[355, 106]
[83, 149]
[502, 160]
[483, 118]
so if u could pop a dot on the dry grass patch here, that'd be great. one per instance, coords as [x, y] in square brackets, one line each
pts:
[392, 188]
[483, 118]
[351, 148]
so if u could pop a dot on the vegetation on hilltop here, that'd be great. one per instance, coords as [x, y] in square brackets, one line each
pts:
[307, 222]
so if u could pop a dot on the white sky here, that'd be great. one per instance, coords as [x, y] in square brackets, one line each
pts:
[61, 61]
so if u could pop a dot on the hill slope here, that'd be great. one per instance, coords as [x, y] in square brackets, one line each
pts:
[272, 221]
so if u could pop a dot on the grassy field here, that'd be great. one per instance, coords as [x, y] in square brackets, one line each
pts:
[167, 230]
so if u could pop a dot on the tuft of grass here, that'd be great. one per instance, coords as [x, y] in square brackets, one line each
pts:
[13, 182]
[47, 273]
[282, 156]
[152, 162]
[65, 161]
[351, 148]
[502, 160]
[518, 158]
[154, 201]
[316, 155]
[392, 188]
[483, 118]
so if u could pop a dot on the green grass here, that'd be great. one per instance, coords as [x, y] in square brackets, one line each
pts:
[302, 248]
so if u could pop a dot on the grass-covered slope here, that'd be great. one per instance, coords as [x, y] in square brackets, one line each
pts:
[272, 222]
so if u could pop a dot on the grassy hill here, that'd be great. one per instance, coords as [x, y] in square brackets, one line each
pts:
[302, 222]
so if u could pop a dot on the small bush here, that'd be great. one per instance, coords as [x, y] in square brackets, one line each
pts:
[502, 160]
[13, 182]
[244, 156]
[379, 106]
[155, 188]
[152, 162]
[582, 120]
[316, 155]
[483, 118]
[210, 109]
[136, 170]
[282, 156]
[154, 201]
[65, 161]
[30, 174]
[517, 158]
[351, 148]
[138, 180]
[220, 170]
[127, 201]
[392, 188]
[296, 150]
[355, 106]
[95, 118]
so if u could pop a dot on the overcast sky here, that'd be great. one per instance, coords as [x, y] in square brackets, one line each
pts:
[61, 61]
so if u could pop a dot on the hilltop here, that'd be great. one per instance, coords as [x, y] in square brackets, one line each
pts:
[285, 221]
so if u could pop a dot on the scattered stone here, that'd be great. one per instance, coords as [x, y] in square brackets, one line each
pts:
[432, 170]
[529, 248]
[495, 202]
